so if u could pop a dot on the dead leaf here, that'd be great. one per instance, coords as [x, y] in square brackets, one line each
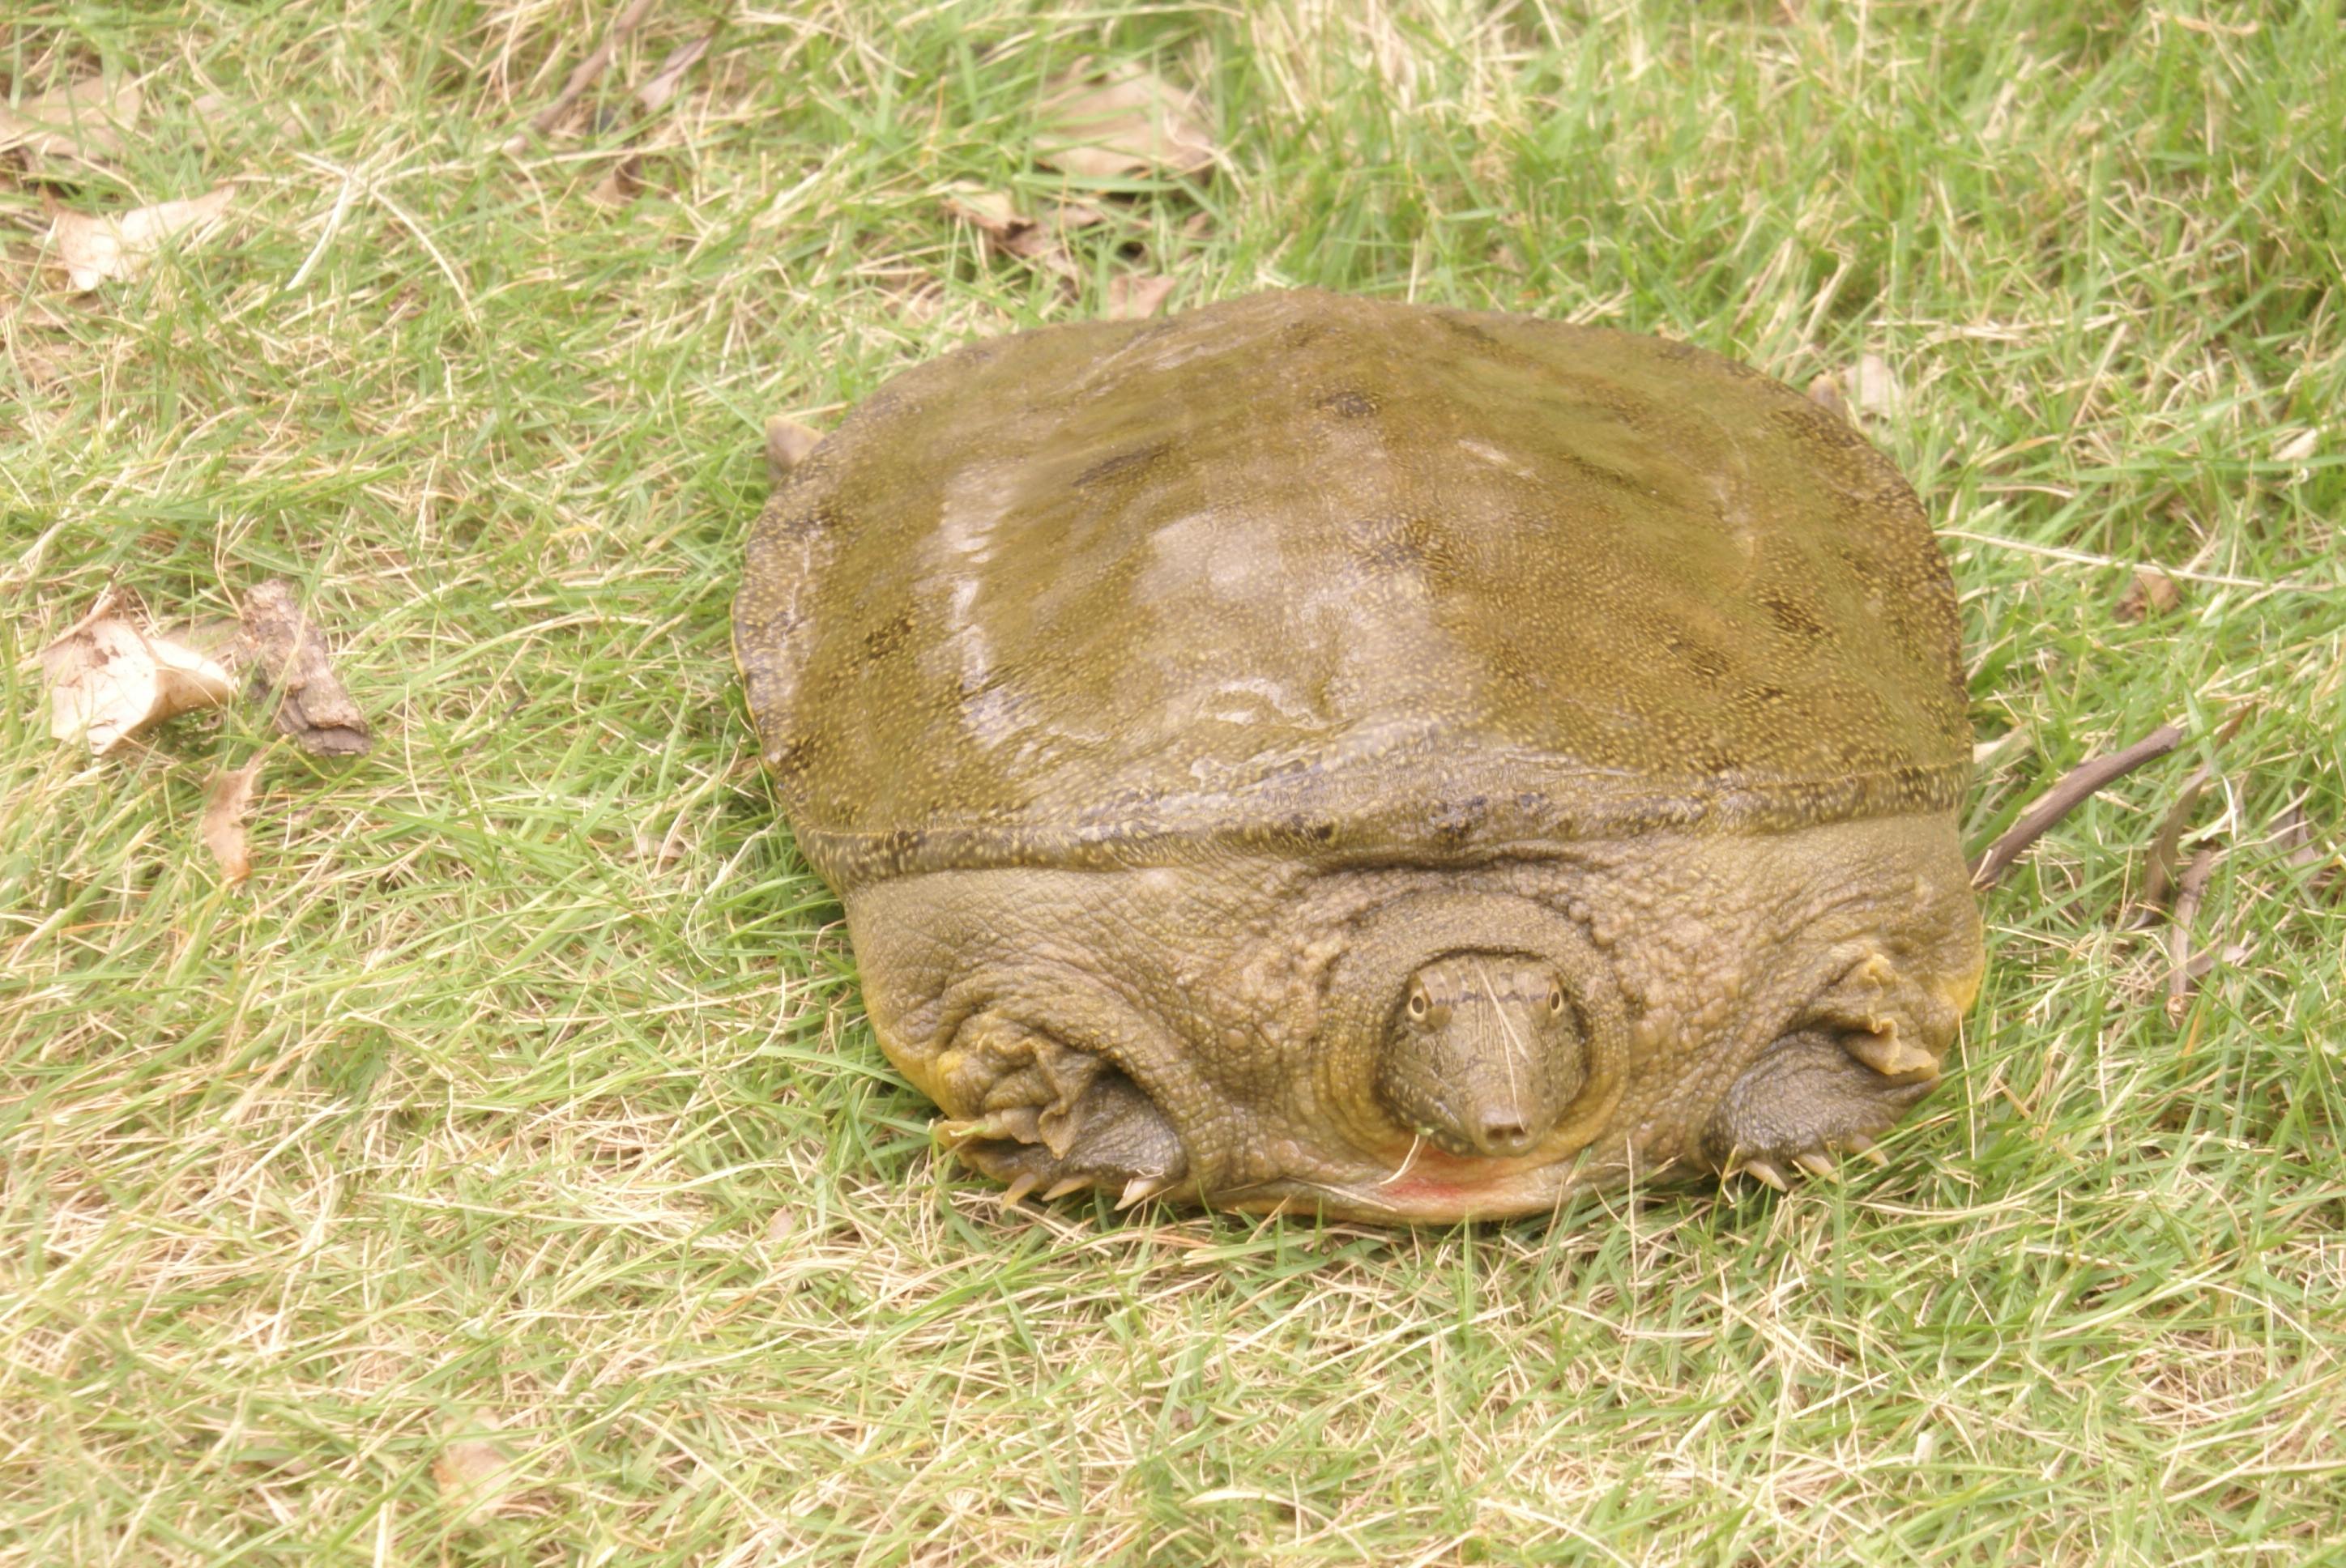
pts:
[96, 248]
[663, 83]
[994, 215]
[619, 187]
[228, 801]
[1129, 122]
[80, 120]
[660, 849]
[2152, 593]
[109, 680]
[1132, 296]
[788, 442]
[287, 653]
[1987, 756]
[475, 1471]
[992, 211]
[1872, 387]
[782, 1224]
[2298, 447]
[1825, 393]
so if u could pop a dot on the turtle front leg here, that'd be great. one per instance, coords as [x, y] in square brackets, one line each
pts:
[1043, 1114]
[1807, 1097]
[1868, 1049]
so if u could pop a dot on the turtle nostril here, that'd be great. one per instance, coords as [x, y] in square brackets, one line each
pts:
[1504, 1136]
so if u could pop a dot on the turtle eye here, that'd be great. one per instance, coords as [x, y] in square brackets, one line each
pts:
[1556, 999]
[1420, 1003]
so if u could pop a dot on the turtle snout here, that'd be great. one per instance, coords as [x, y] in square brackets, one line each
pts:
[1504, 1132]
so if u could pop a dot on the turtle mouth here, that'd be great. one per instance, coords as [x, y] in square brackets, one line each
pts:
[1435, 1126]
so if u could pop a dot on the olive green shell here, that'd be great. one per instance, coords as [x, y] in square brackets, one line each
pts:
[1311, 576]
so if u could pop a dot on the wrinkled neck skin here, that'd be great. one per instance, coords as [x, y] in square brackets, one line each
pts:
[1739, 998]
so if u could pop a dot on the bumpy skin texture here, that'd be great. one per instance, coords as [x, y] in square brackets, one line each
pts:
[1168, 701]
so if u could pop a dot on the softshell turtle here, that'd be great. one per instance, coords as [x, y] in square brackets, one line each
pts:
[1400, 762]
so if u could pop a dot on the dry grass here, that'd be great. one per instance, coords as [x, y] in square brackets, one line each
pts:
[506, 1173]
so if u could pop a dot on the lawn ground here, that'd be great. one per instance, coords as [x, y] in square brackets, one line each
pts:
[505, 1173]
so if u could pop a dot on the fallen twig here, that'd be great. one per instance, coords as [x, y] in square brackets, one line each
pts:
[2167, 843]
[627, 176]
[582, 77]
[2167, 847]
[2187, 894]
[2066, 797]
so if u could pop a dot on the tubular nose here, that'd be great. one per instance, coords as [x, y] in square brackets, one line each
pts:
[1501, 1133]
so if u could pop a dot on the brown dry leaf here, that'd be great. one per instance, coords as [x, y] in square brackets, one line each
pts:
[994, 215]
[109, 680]
[2298, 447]
[228, 801]
[787, 444]
[663, 83]
[96, 248]
[993, 211]
[2152, 593]
[1132, 296]
[475, 1471]
[1129, 122]
[619, 187]
[1069, 216]
[286, 652]
[1987, 756]
[1873, 387]
[80, 120]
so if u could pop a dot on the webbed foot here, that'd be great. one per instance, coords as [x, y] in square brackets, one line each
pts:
[1056, 1118]
[1809, 1096]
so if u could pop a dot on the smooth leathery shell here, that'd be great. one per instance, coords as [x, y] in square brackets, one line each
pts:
[1318, 577]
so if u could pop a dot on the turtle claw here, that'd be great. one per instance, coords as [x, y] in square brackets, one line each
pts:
[1140, 1190]
[1063, 1186]
[1020, 1185]
[1814, 1162]
[954, 1132]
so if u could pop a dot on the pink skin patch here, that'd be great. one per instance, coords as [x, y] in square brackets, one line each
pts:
[1434, 1184]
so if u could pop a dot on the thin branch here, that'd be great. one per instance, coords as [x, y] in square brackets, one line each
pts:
[2066, 797]
[581, 78]
[2187, 894]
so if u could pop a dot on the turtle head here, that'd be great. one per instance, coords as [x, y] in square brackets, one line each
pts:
[1483, 1053]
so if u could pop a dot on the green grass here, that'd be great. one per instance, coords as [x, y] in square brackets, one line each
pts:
[475, 1107]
